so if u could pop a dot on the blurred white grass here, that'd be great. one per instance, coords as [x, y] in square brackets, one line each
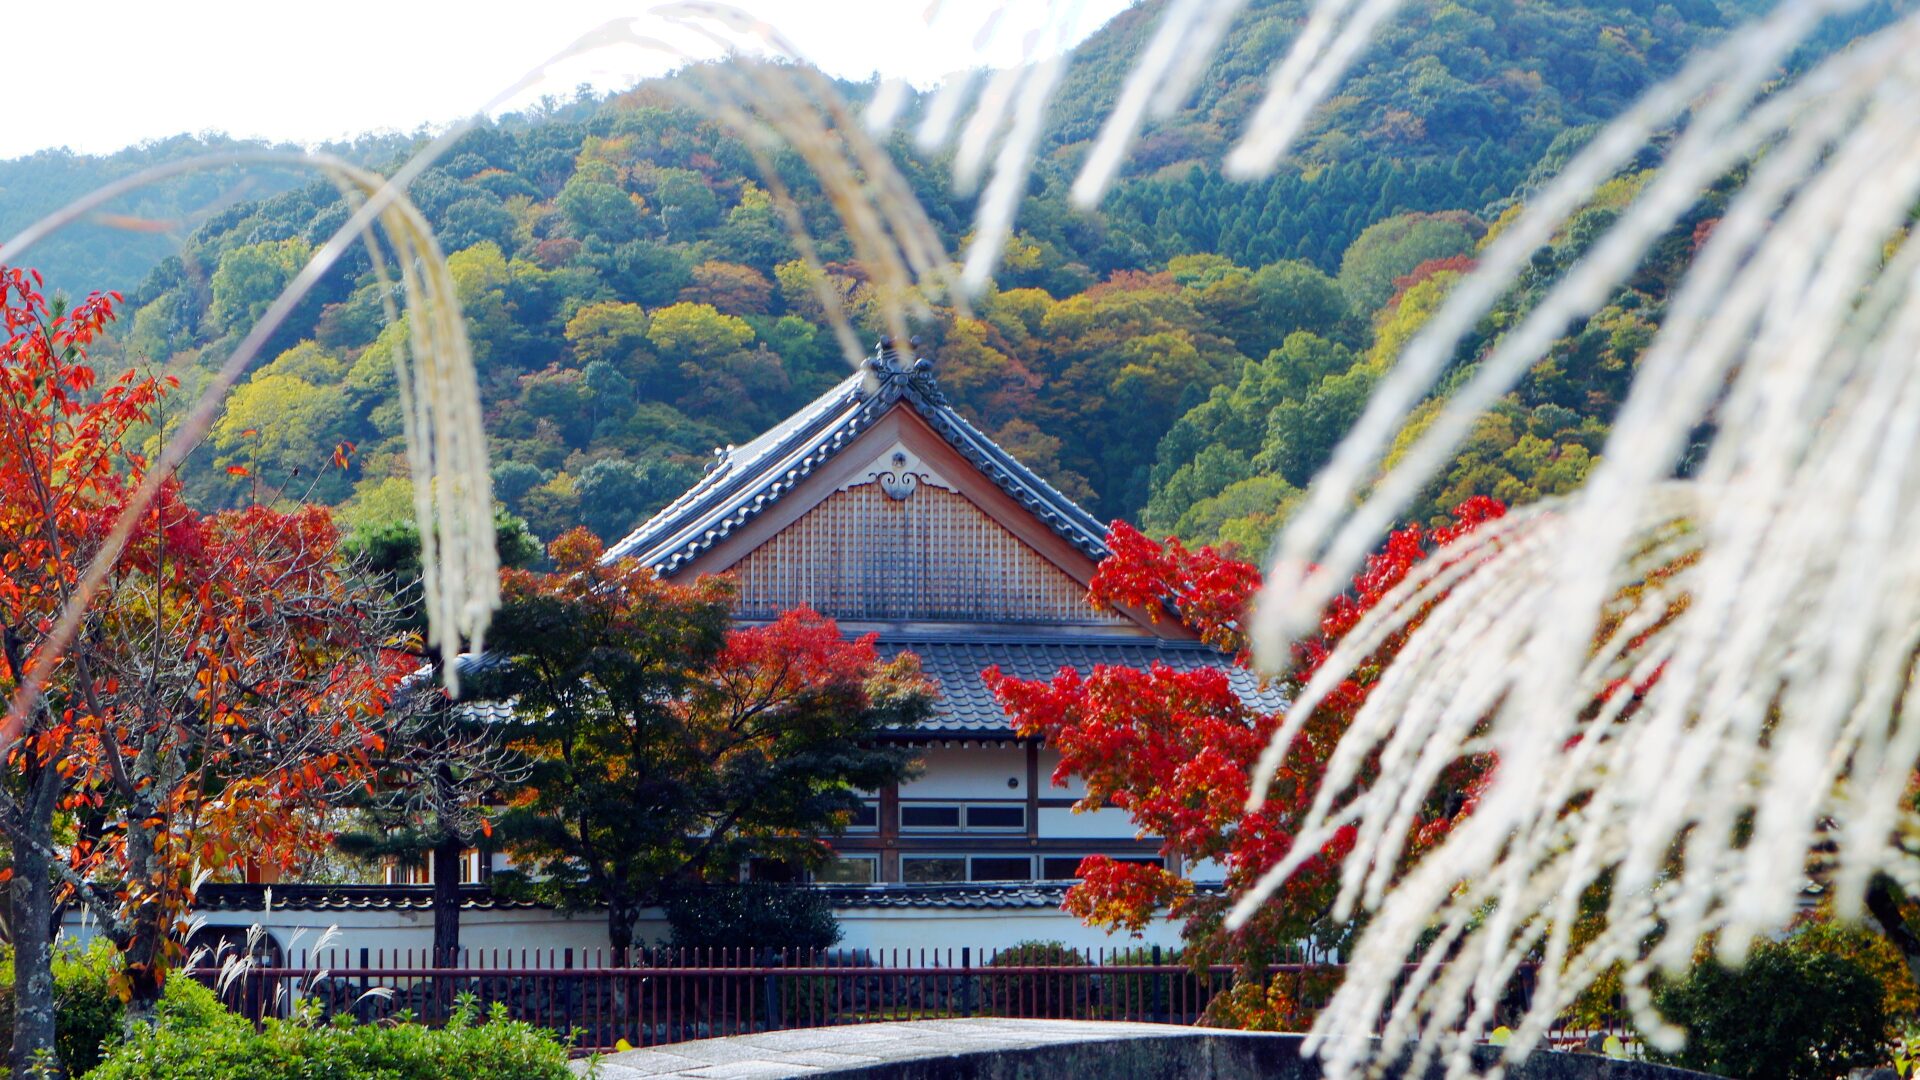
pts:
[1776, 594]
[1786, 611]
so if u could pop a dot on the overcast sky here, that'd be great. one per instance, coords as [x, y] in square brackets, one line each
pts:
[108, 73]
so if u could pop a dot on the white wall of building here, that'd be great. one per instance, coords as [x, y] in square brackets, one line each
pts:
[521, 934]
[985, 930]
[1206, 870]
[1109, 823]
[1049, 761]
[971, 772]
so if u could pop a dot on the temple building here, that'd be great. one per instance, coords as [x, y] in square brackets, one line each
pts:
[880, 506]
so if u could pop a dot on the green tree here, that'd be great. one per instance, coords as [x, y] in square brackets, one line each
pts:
[1392, 248]
[249, 277]
[1294, 296]
[696, 332]
[665, 747]
[1232, 425]
[284, 423]
[442, 764]
[594, 208]
[617, 494]
[1789, 1013]
[1302, 432]
[614, 332]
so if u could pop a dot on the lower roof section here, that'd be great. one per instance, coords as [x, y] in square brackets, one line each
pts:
[967, 712]
[966, 708]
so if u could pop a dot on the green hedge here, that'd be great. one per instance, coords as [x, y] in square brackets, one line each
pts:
[86, 1012]
[1793, 1012]
[221, 1046]
[1038, 995]
[752, 916]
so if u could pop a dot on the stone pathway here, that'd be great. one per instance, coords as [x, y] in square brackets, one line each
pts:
[821, 1051]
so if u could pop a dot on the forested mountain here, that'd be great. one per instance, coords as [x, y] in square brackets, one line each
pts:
[1186, 356]
[117, 247]
[1451, 109]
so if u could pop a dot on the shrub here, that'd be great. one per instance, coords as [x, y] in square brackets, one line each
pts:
[217, 1045]
[1036, 994]
[86, 1011]
[1871, 951]
[1288, 1001]
[1791, 1013]
[755, 917]
[1180, 995]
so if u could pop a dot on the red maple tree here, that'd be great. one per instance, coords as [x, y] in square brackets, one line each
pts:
[1176, 750]
[229, 671]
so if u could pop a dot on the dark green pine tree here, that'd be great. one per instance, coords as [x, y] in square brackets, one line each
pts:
[443, 763]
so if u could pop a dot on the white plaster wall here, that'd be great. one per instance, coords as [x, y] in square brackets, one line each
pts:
[586, 933]
[1206, 870]
[986, 930]
[1049, 761]
[1109, 823]
[529, 929]
[974, 772]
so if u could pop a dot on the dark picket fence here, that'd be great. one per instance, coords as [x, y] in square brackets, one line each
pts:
[664, 995]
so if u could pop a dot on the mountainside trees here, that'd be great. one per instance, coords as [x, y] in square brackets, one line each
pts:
[634, 298]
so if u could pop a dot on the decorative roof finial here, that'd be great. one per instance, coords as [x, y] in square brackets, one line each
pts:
[888, 370]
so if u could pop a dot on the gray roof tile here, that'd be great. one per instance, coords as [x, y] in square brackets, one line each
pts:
[966, 707]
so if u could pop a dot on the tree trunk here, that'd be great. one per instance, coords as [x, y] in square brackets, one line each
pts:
[446, 900]
[1883, 903]
[446, 917]
[620, 919]
[143, 953]
[30, 897]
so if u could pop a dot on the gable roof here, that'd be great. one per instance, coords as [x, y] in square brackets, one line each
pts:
[745, 481]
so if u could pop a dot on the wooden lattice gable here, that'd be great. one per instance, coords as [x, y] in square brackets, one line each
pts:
[879, 502]
[906, 531]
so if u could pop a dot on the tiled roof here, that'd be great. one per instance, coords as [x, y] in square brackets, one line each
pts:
[986, 896]
[967, 708]
[746, 480]
[237, 897]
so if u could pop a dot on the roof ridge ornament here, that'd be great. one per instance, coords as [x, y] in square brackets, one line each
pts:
[888, 369]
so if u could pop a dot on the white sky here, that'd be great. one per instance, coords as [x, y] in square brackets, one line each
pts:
[103, 74]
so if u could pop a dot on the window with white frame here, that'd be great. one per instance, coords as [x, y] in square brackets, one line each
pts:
[416, 871]
[933, 869]
[419, 870]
